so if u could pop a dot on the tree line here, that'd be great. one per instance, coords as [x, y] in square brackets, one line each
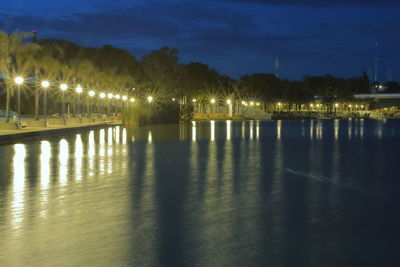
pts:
[159, 73]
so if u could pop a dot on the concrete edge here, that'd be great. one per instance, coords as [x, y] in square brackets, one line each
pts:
[15, 137]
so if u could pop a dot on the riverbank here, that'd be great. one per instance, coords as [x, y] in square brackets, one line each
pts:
[12, 136]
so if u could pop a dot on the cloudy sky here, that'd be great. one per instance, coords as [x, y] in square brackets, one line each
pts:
[236, 37]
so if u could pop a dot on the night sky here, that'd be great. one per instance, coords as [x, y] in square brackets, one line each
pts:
[236, 37]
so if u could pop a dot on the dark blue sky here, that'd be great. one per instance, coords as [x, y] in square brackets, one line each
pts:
[234, 36]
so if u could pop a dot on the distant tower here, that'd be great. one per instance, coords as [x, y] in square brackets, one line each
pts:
[34, 36]
[277, 66]
[389, 75]
[376, 60]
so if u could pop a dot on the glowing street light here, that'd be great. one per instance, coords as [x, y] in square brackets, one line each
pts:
[336, 105]
[311, 105]
[132, 99]
[110, 95]
[45, 85]
[118, 97]
[173, 99]
[102, 95]
[257, 104]
[229, 102]
[63, 86]
[78, 89]
[212, 101]
[194, 100]
[251, 103]
[92, 93]
[124, 98]
[19, 80]
[150, 99]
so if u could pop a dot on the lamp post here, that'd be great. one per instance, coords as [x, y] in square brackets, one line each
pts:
[102, 96]
[229, 102]
[91, 94]
[109, 96]
[212, 101]
[45, 85]
[63, 88]
[124, 98]
[19, 80]
[78, 90]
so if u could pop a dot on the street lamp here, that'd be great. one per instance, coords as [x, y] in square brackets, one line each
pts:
[63, 88]
[251, 103]
[19, 80]
[117, 97]
[132, 99]
[194, 100]
[150, 99]
[229, 102]
[91, 94]
[279, 106]
[212, 101]
[109, 96]
[79, 90]
[45, 85]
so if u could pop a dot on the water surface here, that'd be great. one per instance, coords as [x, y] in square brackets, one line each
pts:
[280, 193]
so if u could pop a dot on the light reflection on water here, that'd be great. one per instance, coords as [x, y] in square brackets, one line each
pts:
[203, 194]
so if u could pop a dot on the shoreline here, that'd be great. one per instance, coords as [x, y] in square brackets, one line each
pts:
[13, 136]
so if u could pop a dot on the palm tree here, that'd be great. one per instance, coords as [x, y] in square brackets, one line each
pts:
[11, 48]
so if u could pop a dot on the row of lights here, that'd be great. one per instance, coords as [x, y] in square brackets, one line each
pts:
[228, 101]
[45, 84]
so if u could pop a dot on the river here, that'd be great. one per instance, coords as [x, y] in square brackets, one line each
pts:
[252, 193]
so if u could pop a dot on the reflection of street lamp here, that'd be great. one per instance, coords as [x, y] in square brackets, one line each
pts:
[63, 88]
[45, 85]
[19, 80]
[79, 90]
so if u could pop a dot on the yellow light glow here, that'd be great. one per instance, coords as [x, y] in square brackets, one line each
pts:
[194, 100]
[102, 95]
[149, 99]
[45, 84]
[336, 105]
[257, 104]
[173, 99]
[124, 98]
[132, 99]
[212, 101]
[19, 80]
[117, 97]
[110, 96]
[349, 106]
[279, 104]
[63, 86]
[311, 105]
[229, 101]
[362, 106]
[91, 93]
[79, 89]
[251, 103]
